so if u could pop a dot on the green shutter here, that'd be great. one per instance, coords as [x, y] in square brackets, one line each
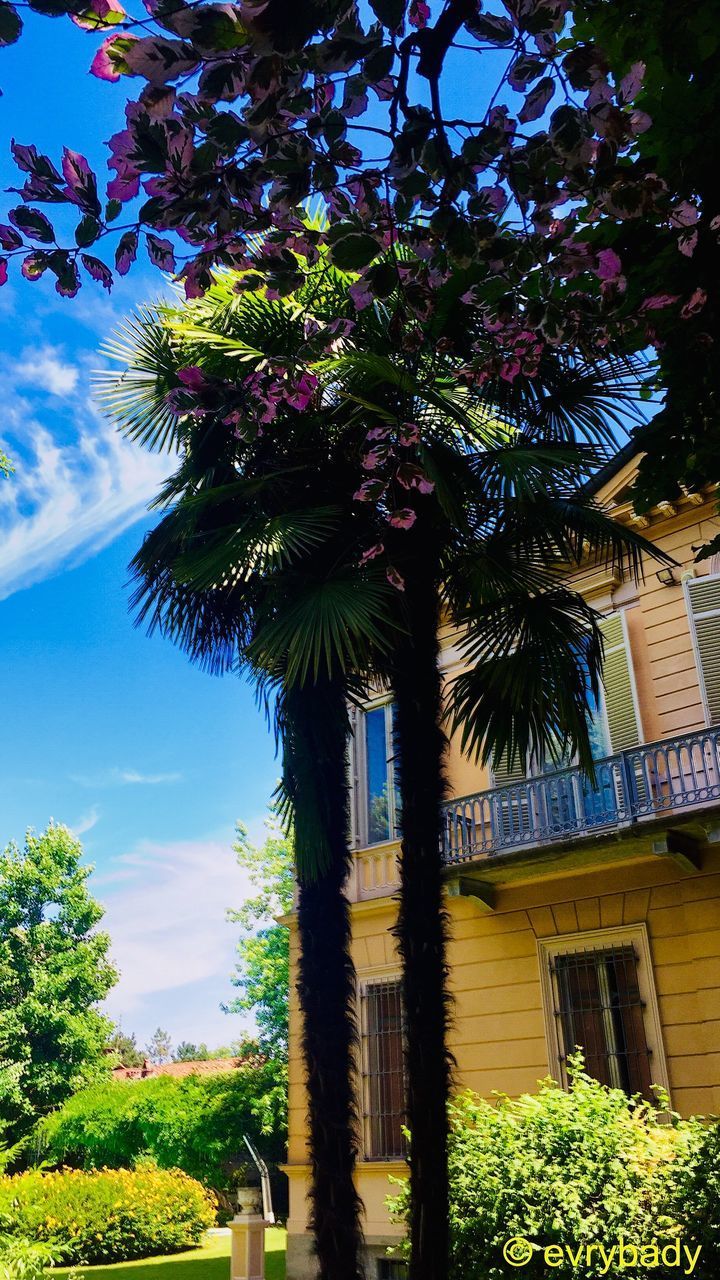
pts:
[617, 680]
[704, 601]
[503, 776]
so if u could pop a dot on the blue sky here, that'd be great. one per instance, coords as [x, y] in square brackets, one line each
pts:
[115, 734]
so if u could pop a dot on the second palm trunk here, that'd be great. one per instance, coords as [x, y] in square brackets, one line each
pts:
[421, 927]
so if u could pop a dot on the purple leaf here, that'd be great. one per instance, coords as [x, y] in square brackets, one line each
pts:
[631, 84]
[110, 62]
[32, 223]
[419, 14]
[3, 271]
[609, 265]
[34, 265]
[65, 269]
[9, 238]
[158, 60]
[30, 161]
[403, 518]
[126, 252]
[97, 270]
[100, 15]
[695, 303]
[81, 181]
[10, 29]
[193, 377]
[537, 100]
[161, 253]
[524, 70]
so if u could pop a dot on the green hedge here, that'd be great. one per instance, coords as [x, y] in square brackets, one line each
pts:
[109, 1215]
[195, 1124]
[576, 1167]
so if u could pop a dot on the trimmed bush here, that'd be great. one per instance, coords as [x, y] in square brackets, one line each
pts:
[109, 1215]
[195, 1123]
[575, 1167]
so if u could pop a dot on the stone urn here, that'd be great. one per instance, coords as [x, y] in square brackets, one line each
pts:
[248, 1199]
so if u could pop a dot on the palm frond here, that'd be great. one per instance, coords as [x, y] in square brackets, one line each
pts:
[536, 664]
[324, 626]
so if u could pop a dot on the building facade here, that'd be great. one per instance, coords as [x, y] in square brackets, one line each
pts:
[580, 913]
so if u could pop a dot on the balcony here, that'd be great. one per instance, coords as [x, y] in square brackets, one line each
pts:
[655, 781]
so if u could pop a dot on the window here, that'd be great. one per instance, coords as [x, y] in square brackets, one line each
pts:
[703, 597]
[598, 997]
[378, 808]
[388, 1269]
[383, 1070]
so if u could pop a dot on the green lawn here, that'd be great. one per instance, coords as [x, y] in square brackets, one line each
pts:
[210, 1262]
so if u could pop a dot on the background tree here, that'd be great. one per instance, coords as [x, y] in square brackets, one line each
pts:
[263, 967]
[123, 1049]
[159, 1047]
[54, 969]
[186, 1051]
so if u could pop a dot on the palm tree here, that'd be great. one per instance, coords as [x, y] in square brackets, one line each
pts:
[257, 559]
[486, 551]
[253, 565]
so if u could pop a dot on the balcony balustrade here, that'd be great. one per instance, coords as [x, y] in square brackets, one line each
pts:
[633, 786]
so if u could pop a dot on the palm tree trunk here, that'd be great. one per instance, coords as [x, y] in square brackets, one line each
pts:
[421, 928]
[316, 774]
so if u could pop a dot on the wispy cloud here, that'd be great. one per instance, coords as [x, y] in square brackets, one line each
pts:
[68, 499]
[86, 822]
[45, 369]
[123, 778]
[165, 912]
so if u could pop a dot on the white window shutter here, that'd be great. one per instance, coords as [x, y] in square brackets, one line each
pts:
[622, 715]
[704, 608]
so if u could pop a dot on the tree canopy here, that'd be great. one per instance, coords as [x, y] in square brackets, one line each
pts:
[566, 207]
[54, 968]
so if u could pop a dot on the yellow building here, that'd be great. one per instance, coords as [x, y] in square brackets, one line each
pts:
[579, 914]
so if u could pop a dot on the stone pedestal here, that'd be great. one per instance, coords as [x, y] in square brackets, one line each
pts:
[247, 1252]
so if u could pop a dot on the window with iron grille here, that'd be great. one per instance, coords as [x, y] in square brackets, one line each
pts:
[388, 1269]
[599, 1007]
[383, 1070]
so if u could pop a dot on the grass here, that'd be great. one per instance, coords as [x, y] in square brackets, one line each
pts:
[210, 1262]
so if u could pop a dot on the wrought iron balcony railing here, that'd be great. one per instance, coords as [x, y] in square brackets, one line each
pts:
[646, 782]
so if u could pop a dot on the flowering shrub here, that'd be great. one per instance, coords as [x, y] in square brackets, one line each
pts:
[569, 1168]
[107, 1215]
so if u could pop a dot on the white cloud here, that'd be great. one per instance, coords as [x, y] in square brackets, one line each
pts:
[45, 370]
[67, 501]
[86, 822]
[123, 778]
[165, 912]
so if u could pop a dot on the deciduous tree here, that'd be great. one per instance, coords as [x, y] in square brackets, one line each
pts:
[54, 969]
[263, 966]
